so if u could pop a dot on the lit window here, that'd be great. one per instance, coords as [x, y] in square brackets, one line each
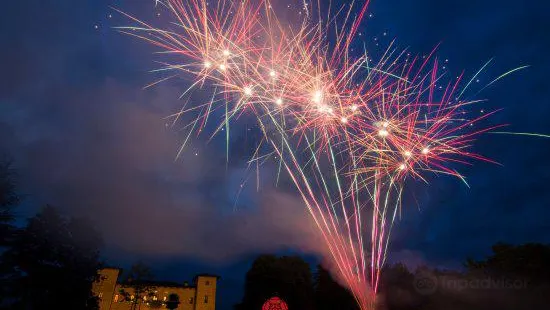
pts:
[116, 298]
[205, 299]
[164, 298]
[155, 298]
[100, 295]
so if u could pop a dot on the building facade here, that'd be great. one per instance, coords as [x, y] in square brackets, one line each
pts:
[114, 295]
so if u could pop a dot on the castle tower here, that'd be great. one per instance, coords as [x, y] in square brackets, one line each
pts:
[205, 296]
[104, 287]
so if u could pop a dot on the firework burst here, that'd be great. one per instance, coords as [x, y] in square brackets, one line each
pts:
[347, 132]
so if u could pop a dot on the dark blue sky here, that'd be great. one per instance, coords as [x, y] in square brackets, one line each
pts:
[88, 138]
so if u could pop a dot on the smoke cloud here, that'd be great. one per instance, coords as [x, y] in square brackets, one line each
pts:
[108, 153]
[87, 138]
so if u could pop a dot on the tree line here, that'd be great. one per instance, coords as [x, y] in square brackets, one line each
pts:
[51, 262]
[512, 277]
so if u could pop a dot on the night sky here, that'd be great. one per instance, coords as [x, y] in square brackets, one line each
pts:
[86, 137]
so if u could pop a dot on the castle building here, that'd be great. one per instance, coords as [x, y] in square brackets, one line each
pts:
[114, 295]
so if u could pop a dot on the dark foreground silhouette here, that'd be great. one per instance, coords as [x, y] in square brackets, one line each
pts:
[52, 262]
[513, 277]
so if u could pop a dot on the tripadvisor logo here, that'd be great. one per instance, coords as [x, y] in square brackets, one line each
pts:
[426, 283]
[485, 283]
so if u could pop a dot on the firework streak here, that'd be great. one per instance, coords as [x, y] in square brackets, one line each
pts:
[347, 131]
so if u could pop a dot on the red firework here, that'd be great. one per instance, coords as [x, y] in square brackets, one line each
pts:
[348, 132]
[275, 303]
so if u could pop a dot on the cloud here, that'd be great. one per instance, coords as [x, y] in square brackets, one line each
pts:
[107, 153]
[87, 138]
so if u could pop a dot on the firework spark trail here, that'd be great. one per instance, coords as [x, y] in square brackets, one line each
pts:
[347, 132]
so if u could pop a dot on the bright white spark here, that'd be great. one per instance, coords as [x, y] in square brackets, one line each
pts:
[383, 133]
[317, 96]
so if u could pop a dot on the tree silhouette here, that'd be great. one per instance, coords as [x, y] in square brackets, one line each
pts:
[53, 262]
[513, 277]
[287, 277]
[523, 272]
[137, 286]
[530, 261]
[396, 288]
[8, 200]
[173, 301]
[329, 294]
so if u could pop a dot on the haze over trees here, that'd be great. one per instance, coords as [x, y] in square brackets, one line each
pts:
[50, 263]
[511, 278]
